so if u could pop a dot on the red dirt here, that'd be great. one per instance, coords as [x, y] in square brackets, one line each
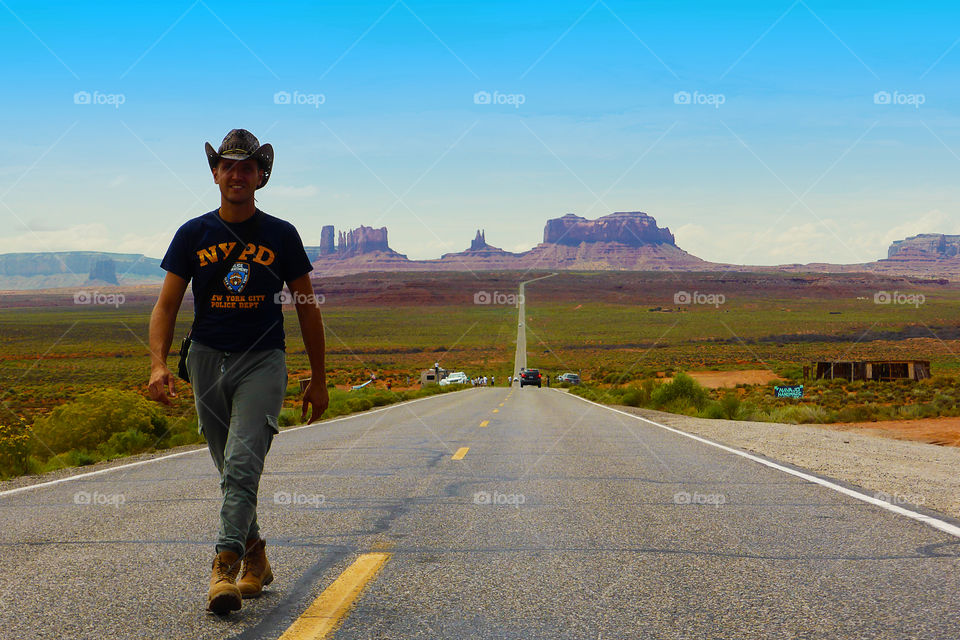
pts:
[729, 379]
[941, 431]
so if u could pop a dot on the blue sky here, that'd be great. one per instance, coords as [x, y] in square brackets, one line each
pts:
[758, 132]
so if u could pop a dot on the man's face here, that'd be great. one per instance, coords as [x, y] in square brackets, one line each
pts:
[238, 179]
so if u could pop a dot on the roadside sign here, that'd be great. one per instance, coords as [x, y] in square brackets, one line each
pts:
[793, 391]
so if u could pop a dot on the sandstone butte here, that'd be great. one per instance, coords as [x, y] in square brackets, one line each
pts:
[625, 240]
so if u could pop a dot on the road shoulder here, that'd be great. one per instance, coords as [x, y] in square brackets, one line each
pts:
[913, 474]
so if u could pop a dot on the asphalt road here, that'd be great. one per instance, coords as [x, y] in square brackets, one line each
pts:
[563, 520]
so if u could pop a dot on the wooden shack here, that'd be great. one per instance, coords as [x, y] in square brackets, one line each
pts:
[883, 370]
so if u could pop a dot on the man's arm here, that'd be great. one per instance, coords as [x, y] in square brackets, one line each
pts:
[162, 321]
[311, 327]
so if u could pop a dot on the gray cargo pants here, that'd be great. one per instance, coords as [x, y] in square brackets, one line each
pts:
[238, 398]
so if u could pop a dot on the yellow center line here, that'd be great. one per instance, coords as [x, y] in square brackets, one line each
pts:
[501, 404]
[462, 451]
[331, 607]
[484, 423]
[496, 410]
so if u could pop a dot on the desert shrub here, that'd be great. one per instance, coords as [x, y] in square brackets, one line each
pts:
[714, 411]
[800, 414]
[730, 406]
[857, 413]
[908, 412]
[125, 443]
[14, 450]
[92, 418]
[72, 458]
[633, 398]
[929, 410]
[183, 431]
[682, 391]
[288, 417]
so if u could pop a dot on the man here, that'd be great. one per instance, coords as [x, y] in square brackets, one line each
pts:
[236, 360]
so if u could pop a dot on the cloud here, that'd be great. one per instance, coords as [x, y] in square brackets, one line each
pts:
[87, 237]
[287, 191]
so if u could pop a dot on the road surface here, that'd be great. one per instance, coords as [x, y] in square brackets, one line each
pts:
[562, 519]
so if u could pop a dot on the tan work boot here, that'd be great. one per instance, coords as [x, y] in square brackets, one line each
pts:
[224, 596]
[256, 573]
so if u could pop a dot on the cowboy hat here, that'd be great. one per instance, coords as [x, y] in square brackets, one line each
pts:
[240, 144]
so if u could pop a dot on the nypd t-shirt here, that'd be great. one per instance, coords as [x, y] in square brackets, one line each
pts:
[243, 313]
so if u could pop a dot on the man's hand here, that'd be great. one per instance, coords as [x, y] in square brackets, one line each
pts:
[161, 383]
[318, 397]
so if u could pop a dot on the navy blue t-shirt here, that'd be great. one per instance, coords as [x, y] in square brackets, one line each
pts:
[243, 314]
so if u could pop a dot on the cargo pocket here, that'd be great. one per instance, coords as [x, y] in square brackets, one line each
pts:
[273, 424]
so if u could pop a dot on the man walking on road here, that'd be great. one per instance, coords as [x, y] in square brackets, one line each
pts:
[238, 258]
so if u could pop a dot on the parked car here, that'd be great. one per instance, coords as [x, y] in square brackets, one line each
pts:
[457, 377]
[570, 378]
[531, 376]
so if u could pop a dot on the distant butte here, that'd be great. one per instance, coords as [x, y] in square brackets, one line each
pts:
[624, 240]
[628, 240]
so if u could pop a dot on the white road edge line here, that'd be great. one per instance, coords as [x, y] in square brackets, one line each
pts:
[130, 465]
[936, 523]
